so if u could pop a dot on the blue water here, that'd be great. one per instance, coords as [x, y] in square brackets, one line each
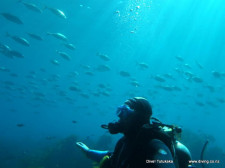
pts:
[36, 93]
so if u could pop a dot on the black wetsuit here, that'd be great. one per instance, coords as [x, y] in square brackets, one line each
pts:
[151, 154]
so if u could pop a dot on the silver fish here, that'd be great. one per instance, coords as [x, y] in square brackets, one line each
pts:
[12, 18]
[197, 79]
[34, 36]
[4, 69]
[103, 68]
[57, 12]
[159, 78]
[103, 56]
[16, 54]
[87, 67]
[55, 62]
[74, 88]
[70, 46]
[19, 40]
[64, 55]
[59, 36]
[199, 65]
[179, 58]
[5, 50]
[216, 74]
[89, 73]
[4, 47]
[143, 65]
[135, 84]
[124, 74]
[168, 76]
[31, 6]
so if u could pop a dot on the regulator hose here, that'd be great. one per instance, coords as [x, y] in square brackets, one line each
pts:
[203, 151]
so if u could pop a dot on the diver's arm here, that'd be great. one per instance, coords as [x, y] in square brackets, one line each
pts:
[158, 151]
[95, 155]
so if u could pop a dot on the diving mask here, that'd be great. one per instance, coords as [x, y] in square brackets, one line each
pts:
[124, 111]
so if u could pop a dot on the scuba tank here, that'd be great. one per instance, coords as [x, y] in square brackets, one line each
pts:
[180, 152]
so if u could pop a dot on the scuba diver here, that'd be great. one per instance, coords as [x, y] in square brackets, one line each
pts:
[145, 144]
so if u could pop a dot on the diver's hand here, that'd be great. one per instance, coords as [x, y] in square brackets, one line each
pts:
[83, 147]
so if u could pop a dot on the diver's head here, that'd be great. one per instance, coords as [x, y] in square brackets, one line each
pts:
[132, 115]
[142, 109]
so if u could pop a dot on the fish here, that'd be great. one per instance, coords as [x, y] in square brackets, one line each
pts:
[55, 62]
[124, 74]
[188, 74]
[200, 103]
[103, 57]
[9, 83]
[87, 67]
[211, 88]
[179, 58]
[143, 65]
[103, 68]
[216, 74]
[64, 55]
[221, 100]
[6, 50]
[159, 78]
[197, 79]
[42, 69]
[85, 95]
[31, 6]
[178, 70]
[101, 85]
[74, 88]
[19, 40]
[13, 75]
[69, 46]
[16, 54]
[4, 69]
[212, 104]
[167, 88]
[96, 94]
[199, 65]
[135, 84]
[168, 76]
[57, 12]
[105, 93]
[187, 66]
[74, 121]
[20, 125]
[108, 89]
[34, 36]
[39, 94]
[176, 88]
[89, 73]
[59, 36]
[73, 74]
[4, 47]
[12, 18]
[200, 95]
[54, 77]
